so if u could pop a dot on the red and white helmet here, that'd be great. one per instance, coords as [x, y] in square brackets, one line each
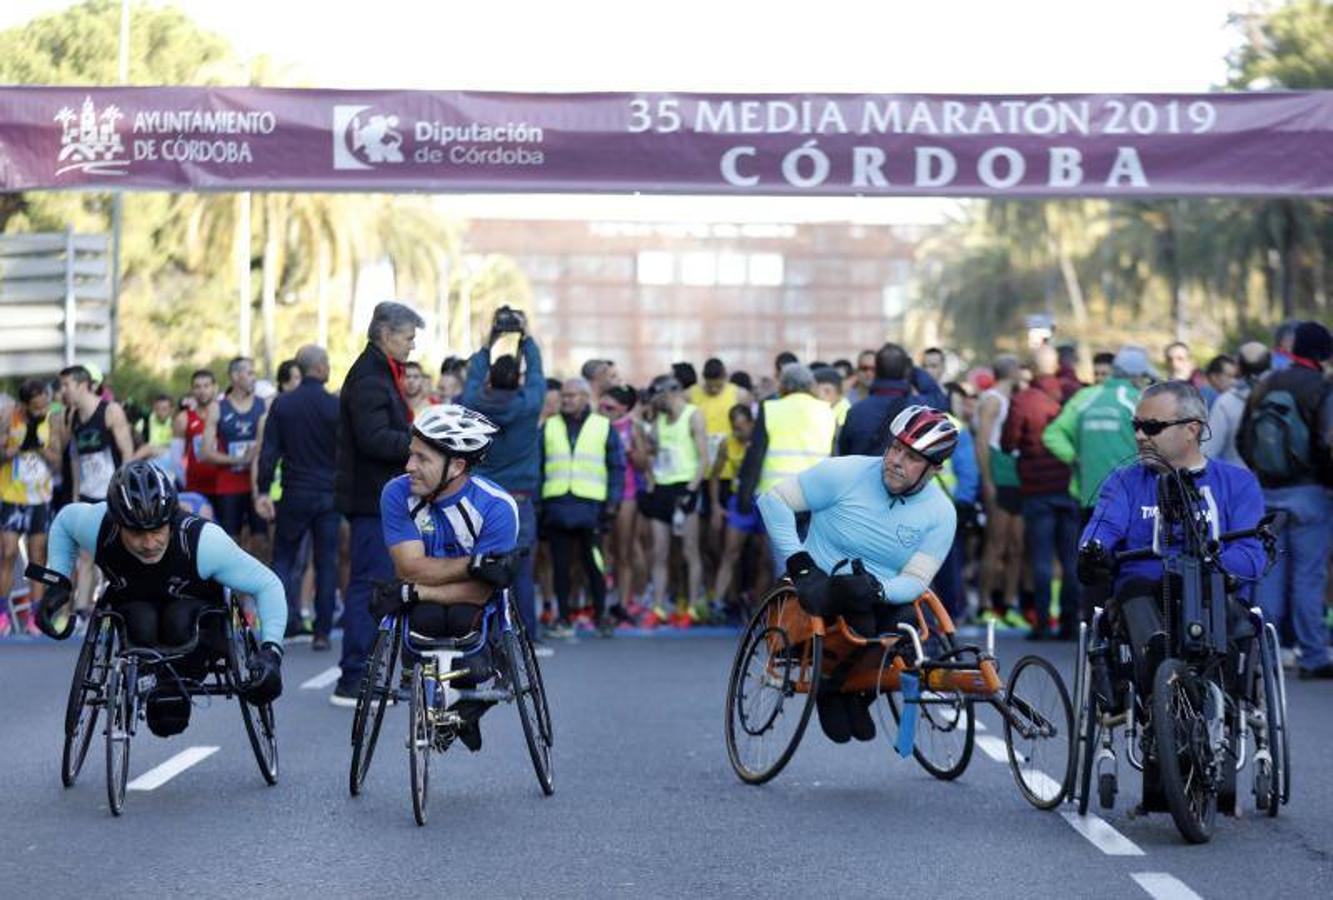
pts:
[927, 431]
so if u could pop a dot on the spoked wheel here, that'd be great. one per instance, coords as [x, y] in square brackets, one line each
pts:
[1043, 759]
[1283, 744]
[1267, 711]
[533, 712]
[1183, 750]
[945, 731]
[119, 721]
[1086, 725]
[373, 696]
[771, 693]
[260, 725]
[87, 696]
[420, 741]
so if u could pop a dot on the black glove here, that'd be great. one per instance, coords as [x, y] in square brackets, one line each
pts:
[390, 595]
[496, 568]
[811, 583]
[1095, 565]
[57, 595]
[265, 675]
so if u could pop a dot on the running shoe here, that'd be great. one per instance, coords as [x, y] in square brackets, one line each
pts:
[681, 619]
[343, 697]
[560, 630]
[1015, 619]
[5, 623]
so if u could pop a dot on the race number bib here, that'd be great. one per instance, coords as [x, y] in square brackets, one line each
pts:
[664, 463]
[239, 448]
[31, 470]
[95, 471]
[714, 442]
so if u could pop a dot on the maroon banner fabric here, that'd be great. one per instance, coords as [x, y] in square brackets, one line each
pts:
[231, 139]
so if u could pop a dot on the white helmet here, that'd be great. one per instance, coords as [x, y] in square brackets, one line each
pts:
[455, 431]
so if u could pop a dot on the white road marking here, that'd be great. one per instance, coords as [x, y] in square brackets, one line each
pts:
[1161, 886]
[160, 775]
[322, 680]
[993, 747]
[1101, 835]
[980, 725]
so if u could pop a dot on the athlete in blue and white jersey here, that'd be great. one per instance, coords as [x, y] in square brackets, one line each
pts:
[887, 512]
[442, 525]
[163, 567]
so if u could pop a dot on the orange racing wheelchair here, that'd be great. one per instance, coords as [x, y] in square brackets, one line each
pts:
[925, 679]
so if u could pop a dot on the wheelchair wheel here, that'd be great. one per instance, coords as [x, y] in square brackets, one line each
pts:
[1086, 725]
[260, 725]
[1183, 750]
[373, 696]
[87, 696]
[530, 697]
[1269, 772]
[119, 726]
[1283, 745]
[945, 731]
[1043, 763]
[772, 688]
[420, 740]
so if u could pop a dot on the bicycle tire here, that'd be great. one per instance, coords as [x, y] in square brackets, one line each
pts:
[1019, 697]
[761, 636]
[419, 741]
[372, 698]
[529, 696]
[1284, 730]
[1178, 724]
[1275, 729]
[118, 722]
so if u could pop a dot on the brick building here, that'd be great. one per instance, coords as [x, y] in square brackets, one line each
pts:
[647, 294]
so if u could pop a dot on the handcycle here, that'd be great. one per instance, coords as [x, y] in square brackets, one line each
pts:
[927, 680]
[115, 676]
[1215, 690]
[433, 725]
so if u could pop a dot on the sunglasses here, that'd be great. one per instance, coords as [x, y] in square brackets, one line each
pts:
[1154, 427]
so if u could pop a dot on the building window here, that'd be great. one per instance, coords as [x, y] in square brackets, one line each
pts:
[731, 269]
[656, 267]
[766, 269]
[698, 268]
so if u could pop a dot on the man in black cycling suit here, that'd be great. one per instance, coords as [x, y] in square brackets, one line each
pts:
[164, 567]
[1168, 421]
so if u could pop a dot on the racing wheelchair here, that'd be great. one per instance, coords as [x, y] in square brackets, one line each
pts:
[113, 677]
[1218, 693]
[926, 680]
[434, 722]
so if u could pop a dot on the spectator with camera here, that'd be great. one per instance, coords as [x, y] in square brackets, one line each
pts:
[493, 389]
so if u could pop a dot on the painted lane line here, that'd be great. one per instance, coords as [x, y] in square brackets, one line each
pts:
[1161, 886]
[980, 725]
[160, 775]
[322, 680]
[993, 747]
[1101, 835]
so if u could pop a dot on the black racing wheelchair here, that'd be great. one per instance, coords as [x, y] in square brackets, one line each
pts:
[1217, 696]
[497, 664]
[115, 678]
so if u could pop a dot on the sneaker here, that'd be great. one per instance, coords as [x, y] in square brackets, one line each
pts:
[5, 623]
[1015, 619]
[33, 630]
[1289, 660]
[1319, 672]
[654, 618]
[680, 620]
[541, 649]
[560, 630]
[606, 626]
[343, 697]
[320, 642]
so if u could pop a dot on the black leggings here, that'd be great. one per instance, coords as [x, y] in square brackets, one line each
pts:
[151, 623]
[563, 542]
[440, 620]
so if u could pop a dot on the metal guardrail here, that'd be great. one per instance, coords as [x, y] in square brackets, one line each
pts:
[55, 302]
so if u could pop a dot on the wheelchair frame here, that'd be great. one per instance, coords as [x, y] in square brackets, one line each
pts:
[432, 727]
[803, 653]
[112, 675]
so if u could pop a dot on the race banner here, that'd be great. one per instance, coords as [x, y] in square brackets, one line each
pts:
[242, 139]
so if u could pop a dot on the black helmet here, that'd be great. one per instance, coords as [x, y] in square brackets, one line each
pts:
[141, 496]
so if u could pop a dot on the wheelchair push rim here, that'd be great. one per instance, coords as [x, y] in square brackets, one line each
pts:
[87, 696]
[771, 690]
[260, 724]
[119, 728]
[420, 738]
[533, 714]
[1039, 732]
[371, 700]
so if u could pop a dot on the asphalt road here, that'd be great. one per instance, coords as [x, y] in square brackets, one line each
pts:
[646, 805]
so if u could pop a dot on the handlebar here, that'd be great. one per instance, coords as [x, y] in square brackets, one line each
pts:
[1268, 527]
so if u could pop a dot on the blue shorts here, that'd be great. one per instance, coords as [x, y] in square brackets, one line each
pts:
[745, 523]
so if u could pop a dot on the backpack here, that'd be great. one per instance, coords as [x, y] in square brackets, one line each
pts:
[1277, 440]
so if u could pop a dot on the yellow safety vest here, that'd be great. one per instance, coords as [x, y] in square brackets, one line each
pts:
[159, 433]
[840, 411]
[579, 470]
[800, 433]
[947, 478]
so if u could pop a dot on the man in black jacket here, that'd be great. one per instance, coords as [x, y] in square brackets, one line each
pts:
[373, 435]
[300, 433]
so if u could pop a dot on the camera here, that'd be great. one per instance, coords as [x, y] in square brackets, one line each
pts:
[508, 321]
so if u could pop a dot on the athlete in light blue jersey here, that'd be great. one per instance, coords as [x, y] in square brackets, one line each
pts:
[887, 512]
